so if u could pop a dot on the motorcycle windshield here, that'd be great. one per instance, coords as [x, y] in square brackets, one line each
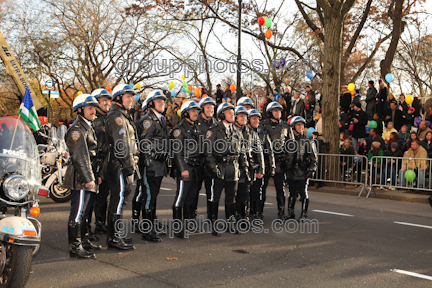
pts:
[61, 133]
[18, 151]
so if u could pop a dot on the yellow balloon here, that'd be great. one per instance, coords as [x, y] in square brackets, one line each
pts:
[178, 113]
[183, 77]
[351, 87]
[265, 18]
[138, 86]
[409, 99]
[79, 93]
[171, 84]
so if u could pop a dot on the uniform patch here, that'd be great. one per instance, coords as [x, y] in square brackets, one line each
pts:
[122, 131]
[176, 133]
[118, 121]
[76, 135]
[208, 134]
[147, 124]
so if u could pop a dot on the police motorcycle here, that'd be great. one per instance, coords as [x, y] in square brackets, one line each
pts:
[20, 183]
[54, 158]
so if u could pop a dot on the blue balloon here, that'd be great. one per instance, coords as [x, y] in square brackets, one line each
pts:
[191, 93]
[173, 93]
[131, 85]
[310, 74]
[310, 131]
[137, 97]
[389, 77]
[183, 90]
[367, 129]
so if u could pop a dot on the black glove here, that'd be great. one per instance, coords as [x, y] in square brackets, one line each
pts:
[128, 171]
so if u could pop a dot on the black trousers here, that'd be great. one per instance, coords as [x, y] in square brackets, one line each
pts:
[151, 191]
[140, 191]
[81, 201]
[119, 193]
[256, 190]
[279, 179]
[298, 187]
[186, 192]
[101, 203]
[242, 192]
[218, 185]
[207, 184]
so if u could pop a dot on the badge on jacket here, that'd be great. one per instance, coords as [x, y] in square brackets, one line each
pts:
[76, 135]
[176, 133]
[118, 121]
[147, 124]
[208, 134]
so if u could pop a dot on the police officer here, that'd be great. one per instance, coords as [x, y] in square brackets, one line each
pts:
[80, 178]
[301, 166]
[188, 163]
[278, 130]
[120, 167]
[254, 161]
[153, 134]
[204, 122]
[256, 197]
[100, 205]
[223, 159]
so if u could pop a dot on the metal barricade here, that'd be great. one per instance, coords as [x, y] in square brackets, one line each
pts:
[387, 171]
[341, 168]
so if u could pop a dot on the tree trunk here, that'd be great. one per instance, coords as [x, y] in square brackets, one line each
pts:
[331, 79]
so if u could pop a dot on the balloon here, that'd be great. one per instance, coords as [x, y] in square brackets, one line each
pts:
[171, 83]
[310, 74]
[417, 122]
[282, 61]
[173, 93]
[191, 93]
[262, 105]
[265, 18]
[410, 175]
[310, 130]
[389, 77]
[233, 88]
[268, 34]
[138, 86]
[351, 127]
[351, 87]
[79, 93]
[276, 64]
[353, 93]
[261, 21]
[373, 124]
[409, 99]
[183, 90]
[183, 77]
[169, 87]
[367, 130]
[429, 124]
[131, 85]
[184, 84]
[137, 97]
[268, 22]
[108, 88]
[197, 93]
[187, 90]
[190, 88]
[179, 113]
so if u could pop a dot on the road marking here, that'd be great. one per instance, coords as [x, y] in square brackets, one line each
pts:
[169, 189]
[268, 203]
[415, 225]
[334, 213]
[202, 194]
[412, 274]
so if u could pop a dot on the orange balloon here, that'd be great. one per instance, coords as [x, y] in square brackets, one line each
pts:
[268, 34]
[108, 88]
[190, 88]
[232, 87]
[197, 92]
[353, 92]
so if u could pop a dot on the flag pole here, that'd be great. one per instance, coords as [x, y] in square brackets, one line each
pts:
[13, 138]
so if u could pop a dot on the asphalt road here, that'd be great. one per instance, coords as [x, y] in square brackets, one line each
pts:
[361, 246]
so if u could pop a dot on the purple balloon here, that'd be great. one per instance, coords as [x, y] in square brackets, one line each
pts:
[417, 122]
[282, 61]
[276, 64]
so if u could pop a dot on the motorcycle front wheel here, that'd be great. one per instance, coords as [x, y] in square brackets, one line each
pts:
[58, 193]
[15, 265]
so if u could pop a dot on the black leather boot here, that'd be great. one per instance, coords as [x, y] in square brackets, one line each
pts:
[195, 206]
[150, 236]
[254, 208]
[75, 246]
[230, 216]
[85, 241]
[161, 227]
[113, 241]
[260, 212]
[136, 211]
[100, 211]
[88, 232]
[281, 207]
[305, 205]
[291, 205]
[212, 215]
[178, 215]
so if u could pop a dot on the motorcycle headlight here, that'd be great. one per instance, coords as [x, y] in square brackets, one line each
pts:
[16, 187]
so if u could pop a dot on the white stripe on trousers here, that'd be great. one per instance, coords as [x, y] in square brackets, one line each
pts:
[147, 206]
[180, 194]
[306, 189]
[212, 191]
[261, 188]
[80, 206]
[120, 204]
